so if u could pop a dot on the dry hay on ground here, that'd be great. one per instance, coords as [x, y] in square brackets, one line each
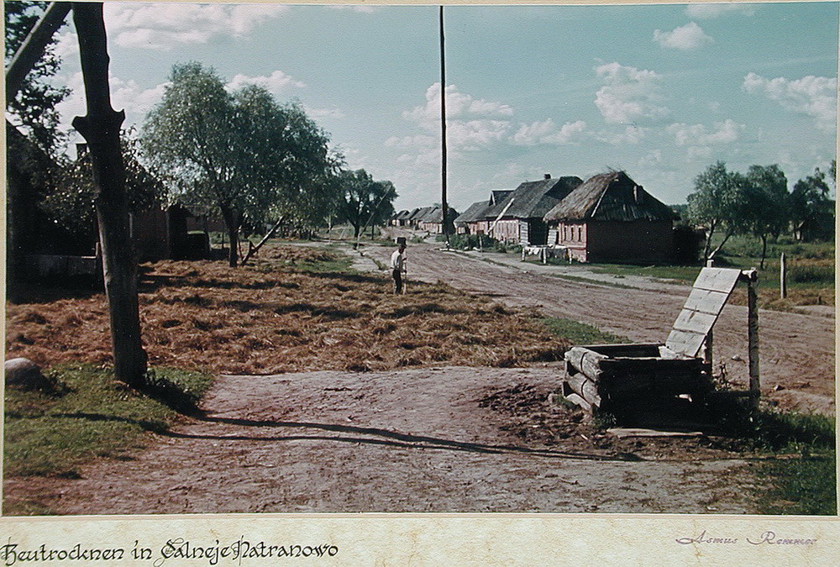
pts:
[271, 318]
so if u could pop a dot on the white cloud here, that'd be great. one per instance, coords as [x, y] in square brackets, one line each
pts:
[473, 135]
[126, 95]
[67, 45]
[276, 83]
[134, 100]
[724, 132]
[362, 9]
[317, 113]
[163, 26]
[471, 123]
[411, 141]
[629, 94]
[710, 11]
[73, 105]
[547, 132]
[811, 96]
[651, 160]
[687, 37]
[458, 106]
[630, 135]
[699, 153]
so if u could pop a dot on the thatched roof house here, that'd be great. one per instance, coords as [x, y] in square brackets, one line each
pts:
[612, 218]
[418, 215]
[401, 218]
[519, 216]
[475, 219]
[432, 219]
[474, 214]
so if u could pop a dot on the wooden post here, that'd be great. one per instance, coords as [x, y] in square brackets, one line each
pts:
[709, 343]
[444, 204]
[783, 277]
[751, 277]
[101, 129]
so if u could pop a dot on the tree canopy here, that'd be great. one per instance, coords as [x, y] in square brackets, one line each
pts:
[767, 195]
[34, 106]
[365, 202]
[241, 154]
[810, 200]
[71, 203]
[719, 202]
[759, 203]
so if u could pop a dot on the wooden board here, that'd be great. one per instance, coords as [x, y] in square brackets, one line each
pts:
[709, 294]
[717, 279]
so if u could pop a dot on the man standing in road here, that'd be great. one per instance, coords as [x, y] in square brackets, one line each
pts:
[398, 268]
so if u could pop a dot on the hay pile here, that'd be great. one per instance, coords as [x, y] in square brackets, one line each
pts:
[273, 318]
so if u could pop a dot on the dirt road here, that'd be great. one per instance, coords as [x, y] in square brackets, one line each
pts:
[450, 439]
[797, 360]
[421, 440]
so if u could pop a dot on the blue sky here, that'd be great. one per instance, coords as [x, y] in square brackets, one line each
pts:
[661, 91]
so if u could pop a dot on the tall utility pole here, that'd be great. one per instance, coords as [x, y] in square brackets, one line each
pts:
[443, 132]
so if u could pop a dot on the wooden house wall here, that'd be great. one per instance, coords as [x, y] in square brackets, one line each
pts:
[150, 233]
[637, 241]
[506, 230]
[573, 236]
[432, 227]
[533, 232]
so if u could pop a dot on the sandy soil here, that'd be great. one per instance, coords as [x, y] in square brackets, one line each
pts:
[797, 360]
[450, 439]
[454, 439]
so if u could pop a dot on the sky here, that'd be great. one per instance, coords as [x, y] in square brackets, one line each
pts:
[659, 91]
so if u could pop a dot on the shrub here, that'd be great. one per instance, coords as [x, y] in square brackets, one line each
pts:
[811, 274]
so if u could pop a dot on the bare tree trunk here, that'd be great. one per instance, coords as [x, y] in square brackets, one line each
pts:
[707, 248]
[101, 129]
[232, 220]
[763, 250]
[726, 237]
[254, 249]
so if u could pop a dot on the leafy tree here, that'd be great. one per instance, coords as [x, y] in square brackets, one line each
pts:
[720, 202]
[34, 105]
[767, 199]
[71, 204]
[810, 200]
[241, 154]
[365, 202]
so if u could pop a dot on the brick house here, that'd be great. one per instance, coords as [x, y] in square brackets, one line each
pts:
[610, 218]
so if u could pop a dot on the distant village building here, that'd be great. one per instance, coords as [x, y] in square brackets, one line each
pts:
[519, 216]
[610, 218]
[475, 219]
[401, 218]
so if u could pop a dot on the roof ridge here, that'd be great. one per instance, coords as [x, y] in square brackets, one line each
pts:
[601, 198]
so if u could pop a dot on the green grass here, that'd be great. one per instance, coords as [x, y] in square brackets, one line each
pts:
[685, 274]
[804, 485]
[580, 333]
[801, 477]
[341, 264]
[90, 415]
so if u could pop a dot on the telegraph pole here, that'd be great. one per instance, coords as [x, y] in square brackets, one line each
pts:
[443, 131]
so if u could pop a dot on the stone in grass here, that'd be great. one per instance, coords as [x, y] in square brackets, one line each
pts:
[24, 374]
